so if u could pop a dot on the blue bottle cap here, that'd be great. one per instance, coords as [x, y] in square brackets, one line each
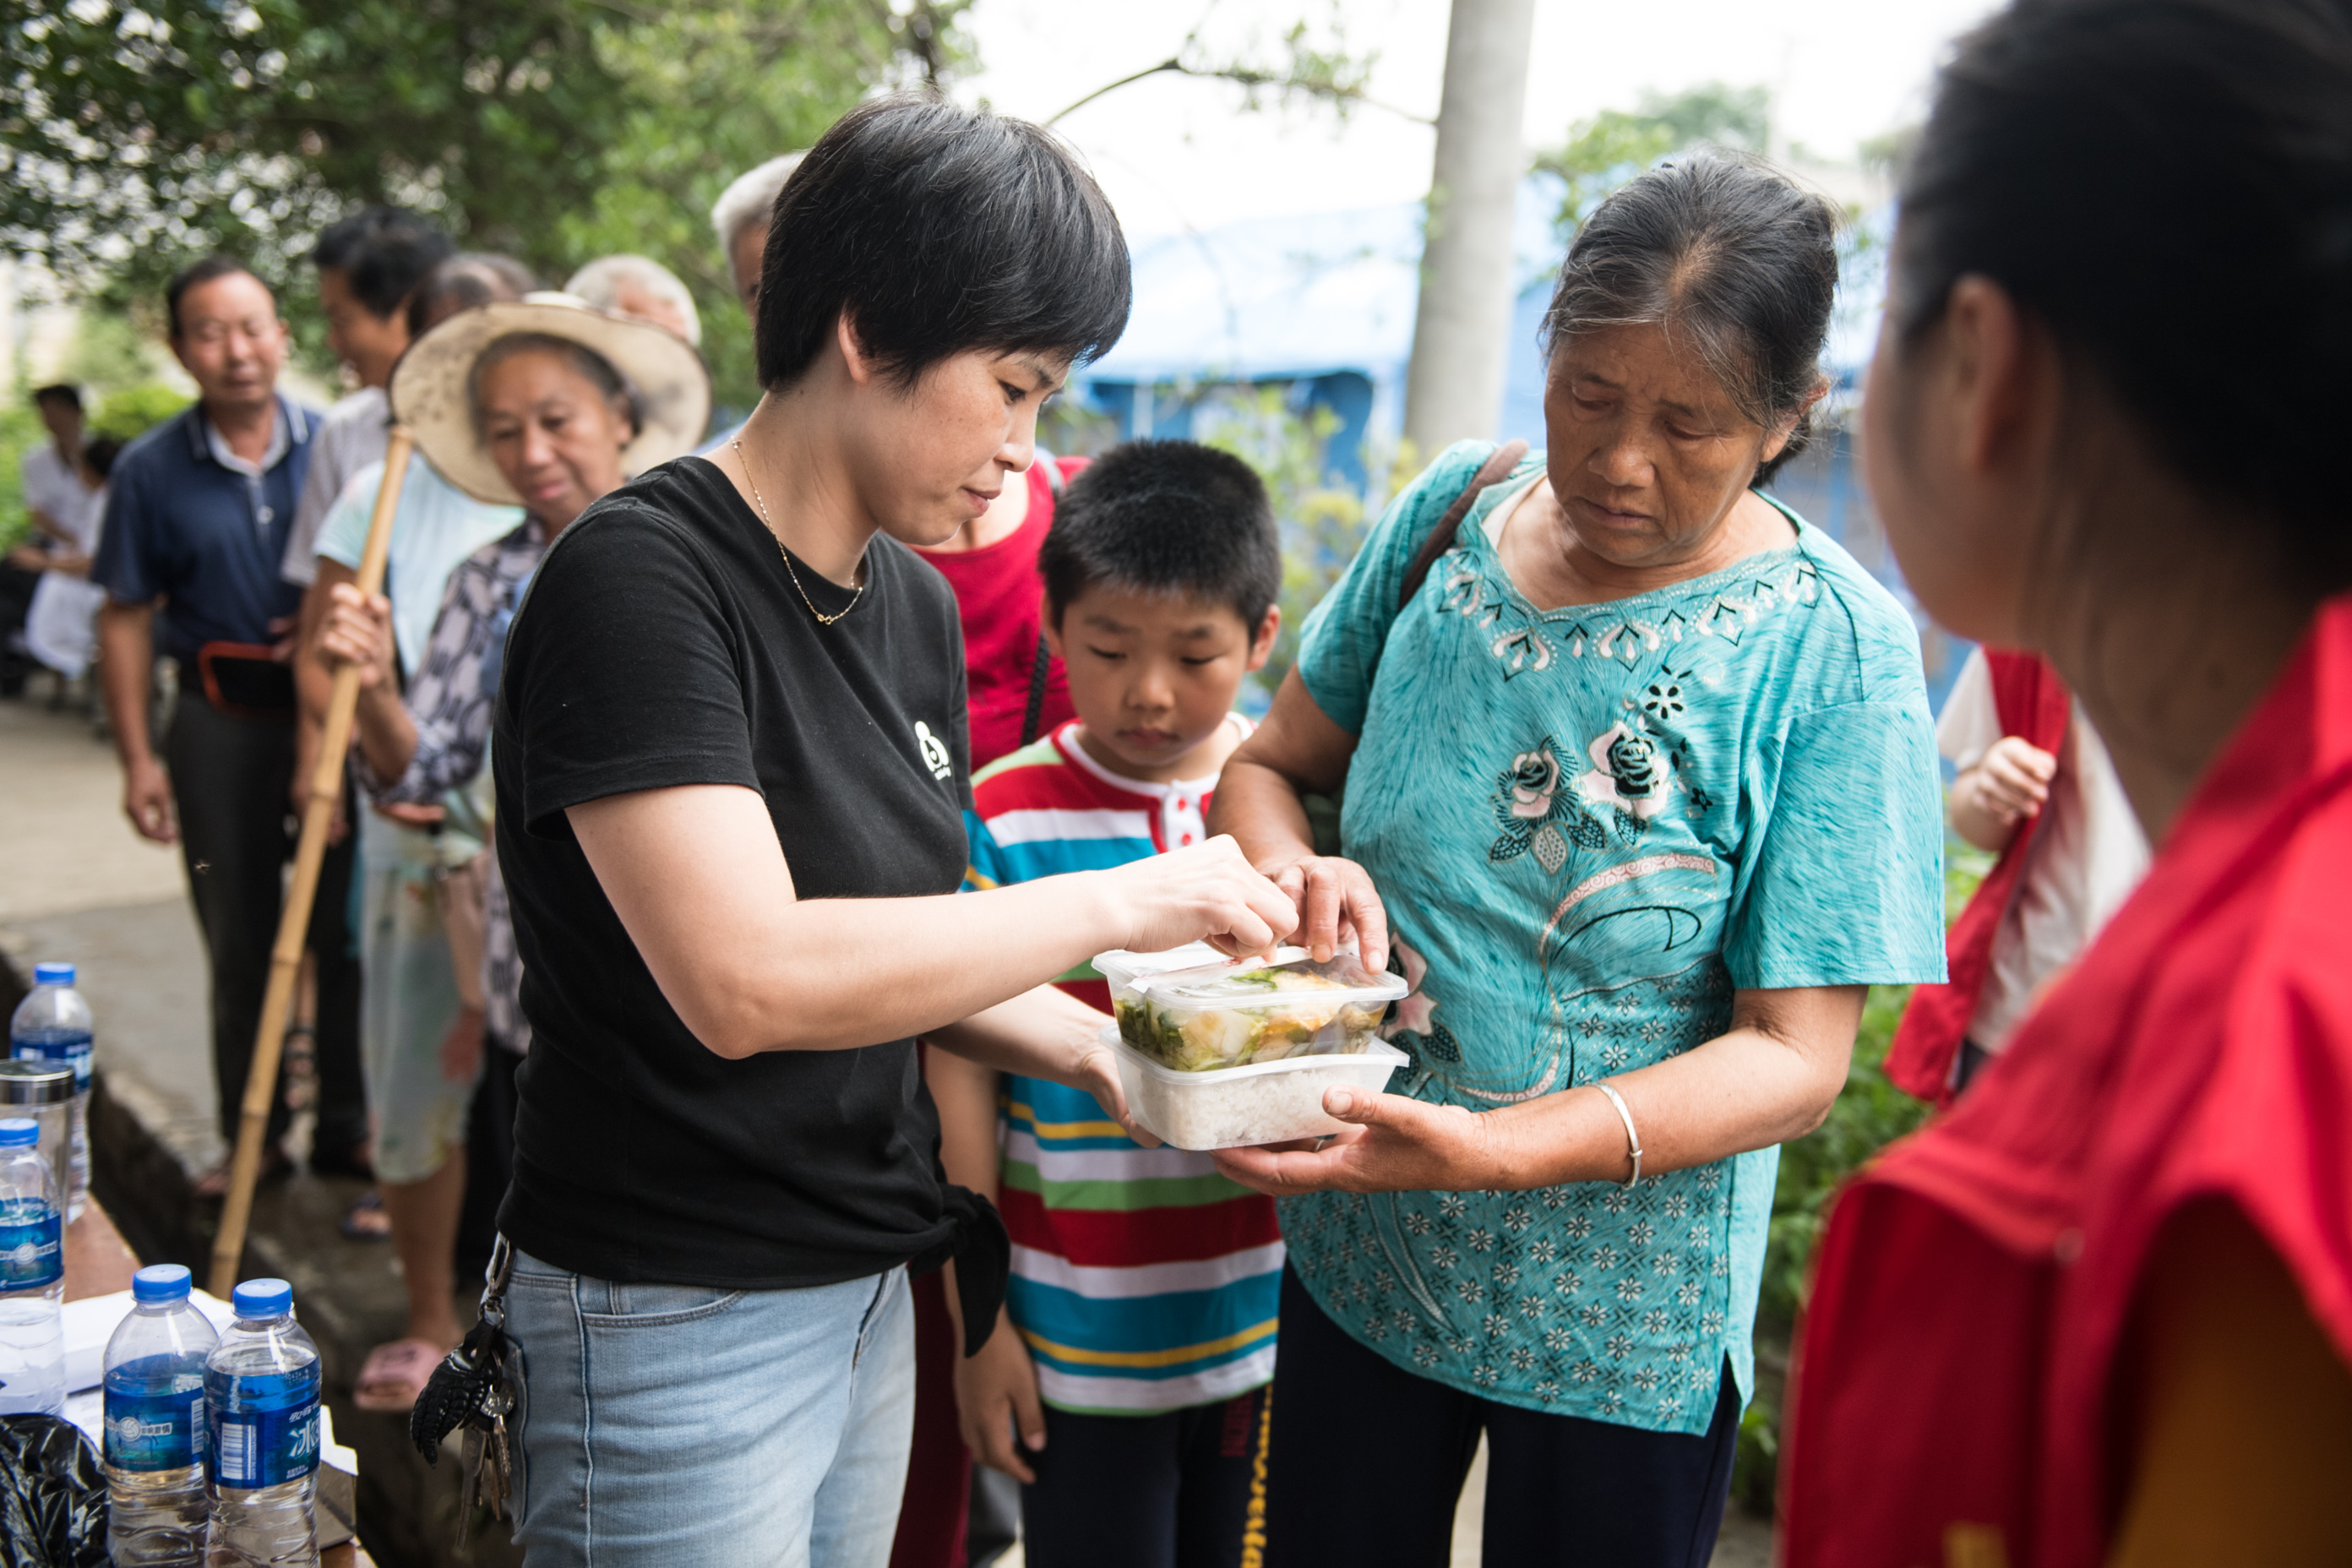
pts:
[160, 1282]
[53, 974]
[19, 1132]
[263, 1299]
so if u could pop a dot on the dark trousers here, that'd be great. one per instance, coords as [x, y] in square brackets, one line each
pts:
[16, 586]
[489, 1159]
[1974, 1059]
[230, 774]
[935, 1508]
[1368, 1460]
[1167, 1490]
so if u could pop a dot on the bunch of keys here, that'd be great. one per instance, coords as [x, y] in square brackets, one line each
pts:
[471, 1389]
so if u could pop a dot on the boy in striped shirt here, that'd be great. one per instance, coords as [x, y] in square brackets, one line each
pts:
[1125, 1382]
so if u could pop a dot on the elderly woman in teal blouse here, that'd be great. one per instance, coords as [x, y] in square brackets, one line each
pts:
[1640, 793]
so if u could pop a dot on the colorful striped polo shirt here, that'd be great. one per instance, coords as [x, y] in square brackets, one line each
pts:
[1142, 1280]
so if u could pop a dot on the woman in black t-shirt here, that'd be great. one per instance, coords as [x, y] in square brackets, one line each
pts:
[733, 762]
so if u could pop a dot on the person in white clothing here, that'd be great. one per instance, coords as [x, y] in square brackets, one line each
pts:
[55, 501]
[62, 626]
[56, 490]
[2085, 858]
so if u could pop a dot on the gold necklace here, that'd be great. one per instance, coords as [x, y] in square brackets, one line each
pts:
[822, 618]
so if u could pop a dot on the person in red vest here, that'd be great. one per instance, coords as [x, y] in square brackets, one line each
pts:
[2034, 787]
[2100, 1312]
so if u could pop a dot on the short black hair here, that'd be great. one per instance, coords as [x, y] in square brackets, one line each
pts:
[939, 229]
[1171, 518]
[99, 455]
[340, 243]
[1732, 257]
[468, 279]
[2164, 187]
[383, 270]
[204, 270]
[61, 393]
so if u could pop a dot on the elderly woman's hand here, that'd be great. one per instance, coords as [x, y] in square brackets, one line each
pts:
[1337, 903]
[1201, 891]
[1393, 1144]
[357, 629]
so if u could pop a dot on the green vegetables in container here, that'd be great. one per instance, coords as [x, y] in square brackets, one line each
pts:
[1233, 1014]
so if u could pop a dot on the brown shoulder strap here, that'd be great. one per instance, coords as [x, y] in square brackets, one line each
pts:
[1495, 470]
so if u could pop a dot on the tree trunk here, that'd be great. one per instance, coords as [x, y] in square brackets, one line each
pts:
[1461, 336]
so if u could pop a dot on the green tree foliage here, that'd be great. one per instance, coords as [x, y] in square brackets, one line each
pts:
[133, 137]
[1323, 519]
[1604, 152]
[1869, 1114]
[130, 413]
[1306, 65]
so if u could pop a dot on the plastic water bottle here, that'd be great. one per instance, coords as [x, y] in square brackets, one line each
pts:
[155, 1429]
[261, 1397]
[32, 1277]
[53, 1023]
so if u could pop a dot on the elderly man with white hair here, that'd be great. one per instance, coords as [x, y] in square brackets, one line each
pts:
[741, 216]
[641, 288]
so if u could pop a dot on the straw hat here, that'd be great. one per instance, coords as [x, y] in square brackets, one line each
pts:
[429, 393]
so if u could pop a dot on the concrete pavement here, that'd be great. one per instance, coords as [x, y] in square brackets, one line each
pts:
[75, 883]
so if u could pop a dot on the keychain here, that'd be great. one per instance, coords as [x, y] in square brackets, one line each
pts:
[473, 1388]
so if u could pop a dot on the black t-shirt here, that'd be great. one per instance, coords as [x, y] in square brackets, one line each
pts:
[662, 644]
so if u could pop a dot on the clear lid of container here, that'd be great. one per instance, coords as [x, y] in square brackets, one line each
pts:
[1290, 979]
[1121, 967]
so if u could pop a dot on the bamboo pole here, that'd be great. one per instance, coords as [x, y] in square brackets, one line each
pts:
[294, 919]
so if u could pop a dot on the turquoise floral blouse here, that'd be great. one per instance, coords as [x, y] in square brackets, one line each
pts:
[1590, 827]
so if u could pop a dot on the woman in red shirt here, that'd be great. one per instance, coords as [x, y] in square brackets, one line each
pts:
[2102, 1312]
[992, 567]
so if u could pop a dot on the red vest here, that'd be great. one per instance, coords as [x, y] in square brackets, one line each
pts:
[2033, 704]
[1952, 1385]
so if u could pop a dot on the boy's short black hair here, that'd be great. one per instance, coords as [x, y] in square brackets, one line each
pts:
[1172, 518]
[61, 393]
[939, 229]
[340, 243]
[202, 270]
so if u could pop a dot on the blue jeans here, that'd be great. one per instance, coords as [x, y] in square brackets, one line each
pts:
[685, 1425]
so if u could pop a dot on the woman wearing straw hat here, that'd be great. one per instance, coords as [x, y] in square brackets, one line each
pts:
[731, 780]
[544, 404]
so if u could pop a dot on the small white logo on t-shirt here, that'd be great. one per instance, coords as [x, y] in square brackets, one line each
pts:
[935, 752]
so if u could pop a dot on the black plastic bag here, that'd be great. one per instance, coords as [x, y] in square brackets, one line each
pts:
[52, 1496]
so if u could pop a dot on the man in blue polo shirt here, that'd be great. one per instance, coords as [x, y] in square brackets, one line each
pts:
[197, 517]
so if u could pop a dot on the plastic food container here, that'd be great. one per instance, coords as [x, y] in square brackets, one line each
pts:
[1233, 1107]
[1233, 1014]
[1122, 968]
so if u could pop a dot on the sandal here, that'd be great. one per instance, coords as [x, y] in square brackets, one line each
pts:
[393, 1375]
[365, 1220]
